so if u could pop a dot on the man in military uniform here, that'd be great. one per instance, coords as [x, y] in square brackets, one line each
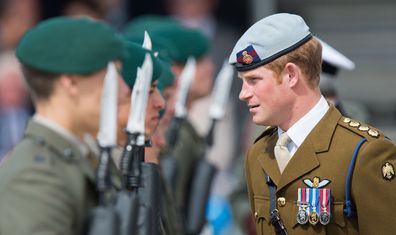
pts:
[47, 182]
[312, 171]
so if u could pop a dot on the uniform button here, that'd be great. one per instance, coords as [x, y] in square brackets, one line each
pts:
[281, 202]
[255, 214]
[68, 154]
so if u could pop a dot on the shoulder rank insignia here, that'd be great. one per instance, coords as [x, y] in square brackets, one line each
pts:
[388, 172]
[347, 120]
[316, 182]
[363, 128]
[373, 133]
[354, 124]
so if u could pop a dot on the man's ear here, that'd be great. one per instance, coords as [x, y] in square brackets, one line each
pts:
[292, 73]
[69, 84]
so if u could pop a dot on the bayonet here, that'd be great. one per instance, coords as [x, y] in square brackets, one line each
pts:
[107, 135]
[221, 91]
[186, 78]
[104, 218]
[219, 97]
[147, 44]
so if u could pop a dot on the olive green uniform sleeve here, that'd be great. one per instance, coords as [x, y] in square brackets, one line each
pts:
[35, 202]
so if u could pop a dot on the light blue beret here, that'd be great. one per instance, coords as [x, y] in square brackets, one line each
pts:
[268, 39]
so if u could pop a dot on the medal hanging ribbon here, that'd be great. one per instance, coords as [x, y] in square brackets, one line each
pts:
[313, 208]
[324, 199]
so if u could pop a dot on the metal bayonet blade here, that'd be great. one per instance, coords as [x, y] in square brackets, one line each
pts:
[107, 135]
[221, 91]
[139, 97]
[147, 44]
[186, 78]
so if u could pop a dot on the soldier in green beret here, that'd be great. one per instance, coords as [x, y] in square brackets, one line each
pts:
[155, 103]
[47, 182]
[162, 81]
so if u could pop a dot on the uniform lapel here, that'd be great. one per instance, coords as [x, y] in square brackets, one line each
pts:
[303, 161]
[318, 141]
[266, 157]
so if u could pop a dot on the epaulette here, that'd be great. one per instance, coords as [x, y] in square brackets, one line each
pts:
[269, 130]
[360, 128]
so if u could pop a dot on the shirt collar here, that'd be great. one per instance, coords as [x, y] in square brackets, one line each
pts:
[300, 130]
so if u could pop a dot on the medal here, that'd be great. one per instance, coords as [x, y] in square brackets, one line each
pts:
[324, 218]
[324, 198]
[302, 214]
[313, 218]
[313, 215]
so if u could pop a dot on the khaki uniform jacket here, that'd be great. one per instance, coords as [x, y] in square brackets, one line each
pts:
[46, 186]
[326, 153]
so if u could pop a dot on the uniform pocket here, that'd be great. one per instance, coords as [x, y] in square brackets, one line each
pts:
[337, 217]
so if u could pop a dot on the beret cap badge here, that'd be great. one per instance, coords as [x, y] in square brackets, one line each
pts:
[248, 56]
[247, 59]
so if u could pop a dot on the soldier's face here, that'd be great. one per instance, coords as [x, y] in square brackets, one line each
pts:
[154, 105]
[87, 93]
[203, 81]
[266, 96]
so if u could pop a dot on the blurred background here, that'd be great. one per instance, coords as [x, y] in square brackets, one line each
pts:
[362, 30]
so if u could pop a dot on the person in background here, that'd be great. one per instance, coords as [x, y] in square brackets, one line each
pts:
[312, 171]
[333, 62]
[47, 182]
[15, 108]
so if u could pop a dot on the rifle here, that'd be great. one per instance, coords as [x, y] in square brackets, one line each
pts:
[186, 78]
[104, 219]
[139, 178]
[205, 171]
[168, 164]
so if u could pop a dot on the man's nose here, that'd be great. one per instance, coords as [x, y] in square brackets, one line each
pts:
[245, 93]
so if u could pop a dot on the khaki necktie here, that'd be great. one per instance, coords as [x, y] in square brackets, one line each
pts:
[282, 154]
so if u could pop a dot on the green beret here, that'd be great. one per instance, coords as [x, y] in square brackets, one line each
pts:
[148, 23]
[166, 49]
[70, 45]
[175, 42]
[167, 77]
[135, 58]
[187, 42]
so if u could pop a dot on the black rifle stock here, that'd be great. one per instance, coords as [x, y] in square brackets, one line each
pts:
[142, 180]
[104, 219]
[173, 131]
[200, 189]
[199, 196]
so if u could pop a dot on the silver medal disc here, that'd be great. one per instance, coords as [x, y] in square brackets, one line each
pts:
[324, 218]
[302, 217]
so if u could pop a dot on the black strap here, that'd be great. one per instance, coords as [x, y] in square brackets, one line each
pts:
[275, 219]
